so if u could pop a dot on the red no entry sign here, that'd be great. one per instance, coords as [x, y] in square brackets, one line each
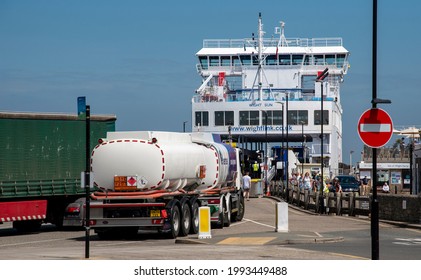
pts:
[375, 127]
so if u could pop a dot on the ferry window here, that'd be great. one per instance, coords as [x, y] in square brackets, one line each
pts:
[277, 118]
[245, 59]
[254, 117]
[340, 60]
[292, 117]
[224, 118]
[203, 62]
[307, 83]
[255, 60]
[249, 117]
[271, 60]
[303, 117]
[330, 59]
[306, 60]
[297, 59]
[274, 117]
[225, 61]
[317, 117]
[296, 117]
[202, 119]
[229, 118]
[213, 60]
[236, 61]
[319, 59]
[285, 59]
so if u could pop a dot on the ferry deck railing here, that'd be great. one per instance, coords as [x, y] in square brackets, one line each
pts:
[291, 42]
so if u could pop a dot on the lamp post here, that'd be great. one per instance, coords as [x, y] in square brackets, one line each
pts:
[266, 152]
[320, 77]
[302, 145]
[287, 140]
[282, 143]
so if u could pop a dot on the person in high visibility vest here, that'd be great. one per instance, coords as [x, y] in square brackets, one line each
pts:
[255, 169]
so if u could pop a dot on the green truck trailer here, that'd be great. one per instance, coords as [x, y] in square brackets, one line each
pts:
[42, 156]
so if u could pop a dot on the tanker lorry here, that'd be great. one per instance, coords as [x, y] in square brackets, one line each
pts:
[158, 180]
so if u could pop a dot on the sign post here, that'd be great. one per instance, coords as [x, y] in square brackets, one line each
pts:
[87, 178]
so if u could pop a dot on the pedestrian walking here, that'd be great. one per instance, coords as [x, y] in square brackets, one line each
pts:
[246, 185]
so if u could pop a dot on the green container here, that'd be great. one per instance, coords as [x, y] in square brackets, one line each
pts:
[44, 154]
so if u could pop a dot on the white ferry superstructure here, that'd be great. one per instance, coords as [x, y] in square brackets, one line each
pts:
[257, 89]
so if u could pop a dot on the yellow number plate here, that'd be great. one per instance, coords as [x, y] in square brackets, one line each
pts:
[155, 213]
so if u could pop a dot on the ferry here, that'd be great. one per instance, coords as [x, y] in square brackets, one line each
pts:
[260, 90]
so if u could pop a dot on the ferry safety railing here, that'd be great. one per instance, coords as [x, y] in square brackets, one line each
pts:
[269, 42]
[351, 204]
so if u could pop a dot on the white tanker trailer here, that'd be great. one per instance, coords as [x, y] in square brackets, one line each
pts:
[158, 180]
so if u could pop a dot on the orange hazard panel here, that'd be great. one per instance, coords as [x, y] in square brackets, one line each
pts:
[202, 171]
[125, 183]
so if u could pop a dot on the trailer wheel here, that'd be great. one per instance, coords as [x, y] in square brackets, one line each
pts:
[175, 221]
[194, 229]
[185, 219]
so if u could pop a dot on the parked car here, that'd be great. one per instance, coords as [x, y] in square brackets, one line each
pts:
[348, 183]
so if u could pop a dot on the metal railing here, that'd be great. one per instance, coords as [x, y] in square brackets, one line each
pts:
[291, 42]
[351, 204]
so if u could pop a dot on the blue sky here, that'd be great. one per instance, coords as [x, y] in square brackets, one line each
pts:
[136, 59]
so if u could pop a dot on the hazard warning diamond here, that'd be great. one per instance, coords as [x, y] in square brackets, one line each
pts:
[131, 181]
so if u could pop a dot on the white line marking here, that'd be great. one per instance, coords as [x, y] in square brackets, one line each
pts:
[259, 223]
[318, 234]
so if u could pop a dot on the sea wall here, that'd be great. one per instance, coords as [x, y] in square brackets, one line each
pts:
[403, 208]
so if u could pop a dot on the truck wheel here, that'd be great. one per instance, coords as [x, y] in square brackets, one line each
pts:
[227, 214]
[241, 208]
[185, 219]
[194, 229]
[221, 217]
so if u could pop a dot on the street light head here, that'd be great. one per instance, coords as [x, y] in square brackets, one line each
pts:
[380, 101]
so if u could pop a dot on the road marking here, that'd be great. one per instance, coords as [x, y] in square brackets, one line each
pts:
[407, 241]
[246, 240]
[257, 223]
[239, 223]
[318, 234]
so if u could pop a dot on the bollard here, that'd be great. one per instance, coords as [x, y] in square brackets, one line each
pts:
[204, 223]
[281, 217]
